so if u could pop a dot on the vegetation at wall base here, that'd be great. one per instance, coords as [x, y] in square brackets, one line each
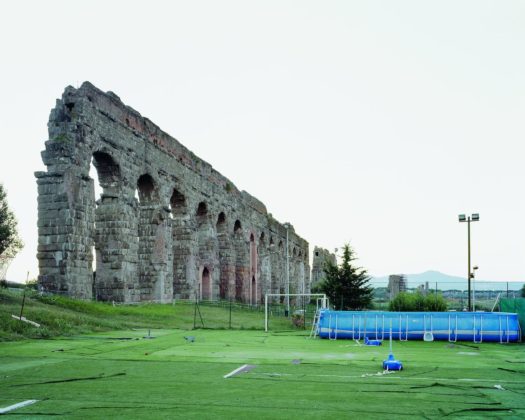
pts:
[62, 316]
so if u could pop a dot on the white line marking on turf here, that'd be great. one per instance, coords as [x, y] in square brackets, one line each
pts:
[233, 372]
[15, 406]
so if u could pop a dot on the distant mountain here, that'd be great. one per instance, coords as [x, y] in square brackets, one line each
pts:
[447, 282]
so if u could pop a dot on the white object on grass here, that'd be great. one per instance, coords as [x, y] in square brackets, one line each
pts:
[18, 405]
[24, 319]
[243, 368]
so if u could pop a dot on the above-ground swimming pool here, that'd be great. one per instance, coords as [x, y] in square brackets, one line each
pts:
[501, 327]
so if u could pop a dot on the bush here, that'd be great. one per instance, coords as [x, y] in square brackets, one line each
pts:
[416, 302]
[32, 284]
[298, 319]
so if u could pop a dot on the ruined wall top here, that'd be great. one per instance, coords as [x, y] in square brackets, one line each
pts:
[87, 120]
[166, 224]
[320, 257]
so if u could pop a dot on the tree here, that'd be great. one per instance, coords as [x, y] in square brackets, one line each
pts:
[346, 285]
[523, 291]
[10, 242]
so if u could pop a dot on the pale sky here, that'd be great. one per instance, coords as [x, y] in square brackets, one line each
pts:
[369, 122]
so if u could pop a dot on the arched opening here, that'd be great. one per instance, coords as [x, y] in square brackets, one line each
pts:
[97, 195]
[254, 291]
[108, 171]
[226, 259]
[146, 189]
[201, 213]
[221, 222]
[253, 270]
[237, 228]
[202, 209]
[241, 264]
[105, 172]
[206, 284]
[294, 252]
[177, 203]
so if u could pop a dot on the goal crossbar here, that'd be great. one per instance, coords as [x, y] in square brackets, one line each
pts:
[321, 296]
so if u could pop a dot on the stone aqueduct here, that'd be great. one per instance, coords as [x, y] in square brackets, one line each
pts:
[190, 233]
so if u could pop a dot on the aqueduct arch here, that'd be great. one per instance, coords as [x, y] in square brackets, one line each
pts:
[190, 233]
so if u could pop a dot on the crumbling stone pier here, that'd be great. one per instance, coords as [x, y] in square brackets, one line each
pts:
[167, 225]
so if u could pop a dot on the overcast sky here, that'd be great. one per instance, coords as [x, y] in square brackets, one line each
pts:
[369, 122]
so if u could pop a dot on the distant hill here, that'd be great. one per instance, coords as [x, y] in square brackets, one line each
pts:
[447, 282]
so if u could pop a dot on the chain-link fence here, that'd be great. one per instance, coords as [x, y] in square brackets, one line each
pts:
[297, 315]
[484, 294]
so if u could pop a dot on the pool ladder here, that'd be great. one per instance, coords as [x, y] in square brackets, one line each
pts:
[406, 329]
[480, 331]
[315, 324]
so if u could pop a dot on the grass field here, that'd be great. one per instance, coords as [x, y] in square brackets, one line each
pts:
[61, 316]
[92, 361]
[123, 375]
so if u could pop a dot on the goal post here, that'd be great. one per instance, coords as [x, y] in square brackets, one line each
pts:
[322, 302]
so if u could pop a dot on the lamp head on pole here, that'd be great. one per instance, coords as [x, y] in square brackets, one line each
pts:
[462, 218]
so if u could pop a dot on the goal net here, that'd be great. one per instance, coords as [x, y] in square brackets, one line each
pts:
[294, 309]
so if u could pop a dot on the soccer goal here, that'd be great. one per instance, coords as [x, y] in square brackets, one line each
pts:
[321, 302]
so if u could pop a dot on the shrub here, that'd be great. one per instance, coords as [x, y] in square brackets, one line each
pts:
[416, 302]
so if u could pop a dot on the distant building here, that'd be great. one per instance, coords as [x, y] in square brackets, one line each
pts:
[423, 288]
[396, 284]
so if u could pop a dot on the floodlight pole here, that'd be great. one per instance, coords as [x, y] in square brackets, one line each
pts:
[469, 273]
[473, 218]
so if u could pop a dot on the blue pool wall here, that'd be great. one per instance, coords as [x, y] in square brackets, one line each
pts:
[478, 327]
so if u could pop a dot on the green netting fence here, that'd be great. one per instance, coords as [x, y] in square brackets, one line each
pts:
[516, 305]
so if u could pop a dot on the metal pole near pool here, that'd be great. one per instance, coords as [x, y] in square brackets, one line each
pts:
[473, 218]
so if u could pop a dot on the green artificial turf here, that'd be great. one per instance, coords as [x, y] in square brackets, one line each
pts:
[180, 373]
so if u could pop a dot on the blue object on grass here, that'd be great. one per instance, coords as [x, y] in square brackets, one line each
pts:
[392, 364]
[372, 342]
